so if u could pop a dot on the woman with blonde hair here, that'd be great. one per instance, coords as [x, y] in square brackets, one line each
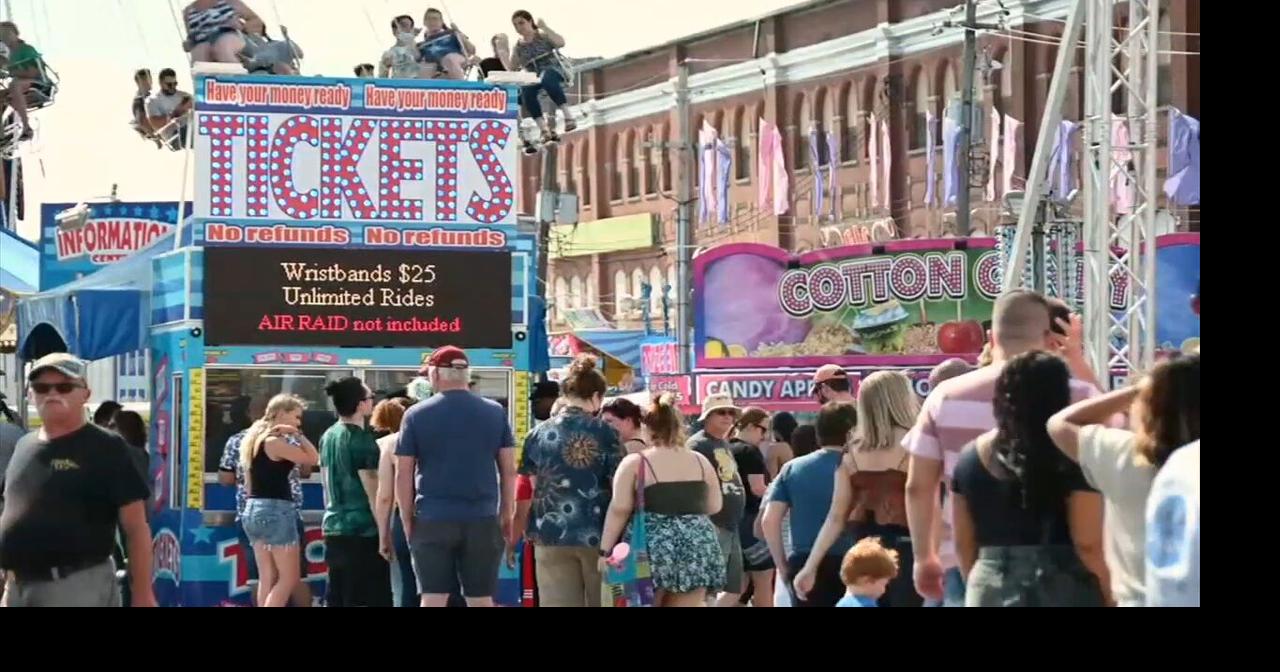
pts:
[268, 453]
[871, 482]
[681, 492]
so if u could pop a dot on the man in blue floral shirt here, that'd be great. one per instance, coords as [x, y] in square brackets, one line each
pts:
[230, 473]
[571, 459]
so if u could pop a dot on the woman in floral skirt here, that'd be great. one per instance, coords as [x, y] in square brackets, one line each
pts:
[681, 491]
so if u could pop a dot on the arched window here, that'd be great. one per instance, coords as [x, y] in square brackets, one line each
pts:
[950, 88]
[584, 162]
[867, 97]
[741, 142]
[562, 299]
[695, 160]
[575, 291]
[633, 166]
[671, 280]
[615, 156]
[820, 123]
[570, 180]
[1164, 62]
[1006, 82]
[667, 169]
[800, 143]
[637, 284]
[652, 168]
[655, 298]
[920, 124]
[847, 104]
[619, 292]
[590, 298]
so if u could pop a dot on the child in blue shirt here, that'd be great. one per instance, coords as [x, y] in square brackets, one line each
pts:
[866, 571]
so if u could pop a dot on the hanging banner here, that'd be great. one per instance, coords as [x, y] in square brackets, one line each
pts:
[659, 355]
[112, 232]
[320, 161]
[903, 303]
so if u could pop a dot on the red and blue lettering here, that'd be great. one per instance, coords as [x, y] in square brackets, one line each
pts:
[295, 204]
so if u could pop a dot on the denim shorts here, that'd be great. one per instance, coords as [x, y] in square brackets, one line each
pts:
[271, 522]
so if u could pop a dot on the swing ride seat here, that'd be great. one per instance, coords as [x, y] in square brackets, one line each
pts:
[42, 91]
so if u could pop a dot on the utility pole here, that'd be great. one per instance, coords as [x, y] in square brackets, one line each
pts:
[966, 116]
[684, 217]
[550, 185]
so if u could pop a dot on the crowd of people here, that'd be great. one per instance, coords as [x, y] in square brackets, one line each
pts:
[1013, 483]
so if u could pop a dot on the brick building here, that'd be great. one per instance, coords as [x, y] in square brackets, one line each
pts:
[826, 65]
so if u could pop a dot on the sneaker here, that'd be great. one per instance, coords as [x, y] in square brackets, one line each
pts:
[549, 137]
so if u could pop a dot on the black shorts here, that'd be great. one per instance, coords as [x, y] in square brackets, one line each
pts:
[358, 575]
[446, 552]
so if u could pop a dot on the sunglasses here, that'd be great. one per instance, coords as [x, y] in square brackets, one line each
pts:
[60, 388]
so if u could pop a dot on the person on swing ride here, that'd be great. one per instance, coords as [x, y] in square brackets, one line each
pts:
[444, 47]
[535, 51]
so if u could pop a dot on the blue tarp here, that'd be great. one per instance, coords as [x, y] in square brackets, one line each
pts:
[539, 351]
[98, 316]
[620, 344]
[19, 263]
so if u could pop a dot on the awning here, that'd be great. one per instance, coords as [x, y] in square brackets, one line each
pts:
[621, 344]
[19, 263]
[98, 316]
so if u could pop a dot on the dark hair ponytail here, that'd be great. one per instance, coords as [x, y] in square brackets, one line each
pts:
[1031, 388]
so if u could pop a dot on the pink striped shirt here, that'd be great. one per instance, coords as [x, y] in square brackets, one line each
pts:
[957, 412]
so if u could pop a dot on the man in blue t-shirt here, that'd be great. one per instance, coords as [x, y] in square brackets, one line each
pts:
[455, 484]
[804, 488]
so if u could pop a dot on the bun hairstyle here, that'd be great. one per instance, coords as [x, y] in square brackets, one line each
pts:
[664, 422]
[583, 380]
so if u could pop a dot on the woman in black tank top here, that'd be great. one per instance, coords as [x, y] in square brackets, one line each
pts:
[268, 454]
[683, 549]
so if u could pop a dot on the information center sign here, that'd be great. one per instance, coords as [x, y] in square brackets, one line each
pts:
[330, 297]
[316, 153]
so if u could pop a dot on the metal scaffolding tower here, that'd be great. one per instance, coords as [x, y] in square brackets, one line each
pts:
[1119, 222]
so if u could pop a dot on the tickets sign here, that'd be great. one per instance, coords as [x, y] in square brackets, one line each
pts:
[308, 150]
[331, 297]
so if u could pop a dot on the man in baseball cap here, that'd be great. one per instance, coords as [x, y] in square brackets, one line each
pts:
[831, 383]
[449, 357]
[453, 510]
[66, 489]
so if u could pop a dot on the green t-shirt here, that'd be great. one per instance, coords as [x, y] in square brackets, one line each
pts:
[25, 56]
[346, 450]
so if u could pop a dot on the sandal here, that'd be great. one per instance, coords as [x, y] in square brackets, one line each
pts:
[529, 148]
[570, 125]
[549, 137]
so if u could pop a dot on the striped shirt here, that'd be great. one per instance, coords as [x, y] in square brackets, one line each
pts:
[202, 24]
[957, 412]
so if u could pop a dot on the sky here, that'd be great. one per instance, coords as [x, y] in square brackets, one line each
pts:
[84, 142]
